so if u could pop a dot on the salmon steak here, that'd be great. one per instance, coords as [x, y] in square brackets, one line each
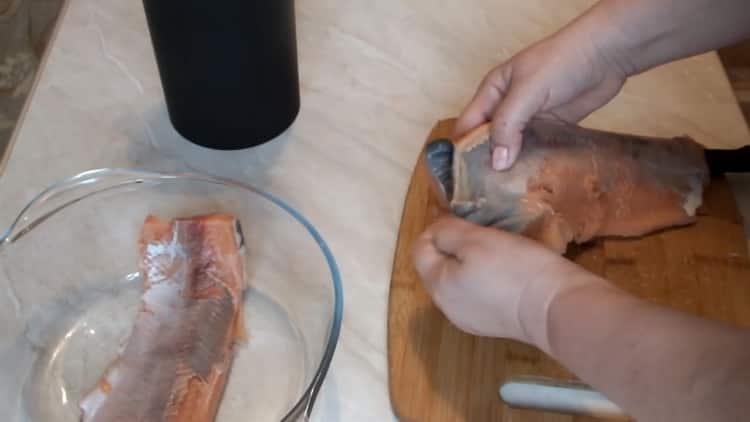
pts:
[571, 184]
[177, 358]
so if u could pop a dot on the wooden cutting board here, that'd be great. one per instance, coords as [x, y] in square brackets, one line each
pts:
[438, 373]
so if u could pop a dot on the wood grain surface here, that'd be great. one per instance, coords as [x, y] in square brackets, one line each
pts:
[438, 373]
[736, 61]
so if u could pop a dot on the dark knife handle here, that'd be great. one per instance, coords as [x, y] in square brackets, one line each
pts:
[722, 161]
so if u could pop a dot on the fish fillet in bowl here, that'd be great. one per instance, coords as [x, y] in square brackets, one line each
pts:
[73, 266]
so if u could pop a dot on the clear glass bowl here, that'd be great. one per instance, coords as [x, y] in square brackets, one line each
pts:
[69, 268]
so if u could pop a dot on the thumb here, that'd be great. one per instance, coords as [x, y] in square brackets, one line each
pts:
[437, 254]
[452, 235]
[509, 121]
[432, 264]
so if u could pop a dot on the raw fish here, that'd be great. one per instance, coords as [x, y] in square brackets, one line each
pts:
[571, 184]
[175, 364]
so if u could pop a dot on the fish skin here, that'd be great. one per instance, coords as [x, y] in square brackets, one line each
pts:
[571, 184]
[175, 364]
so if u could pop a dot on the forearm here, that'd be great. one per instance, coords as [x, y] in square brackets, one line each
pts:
[641, 34]
[657, 364]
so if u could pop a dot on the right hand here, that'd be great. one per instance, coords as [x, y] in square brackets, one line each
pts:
[492, 283]
[566, 76]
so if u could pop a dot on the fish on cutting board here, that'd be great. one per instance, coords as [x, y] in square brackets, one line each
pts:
[176, 361]
[571, 184]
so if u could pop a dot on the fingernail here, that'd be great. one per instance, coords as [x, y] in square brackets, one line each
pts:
[500, 158]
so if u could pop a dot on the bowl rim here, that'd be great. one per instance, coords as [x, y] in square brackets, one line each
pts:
[71, 190]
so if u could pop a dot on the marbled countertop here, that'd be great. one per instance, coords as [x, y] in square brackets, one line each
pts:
[375, 77]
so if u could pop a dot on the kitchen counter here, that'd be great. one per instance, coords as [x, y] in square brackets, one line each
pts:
[375, 77]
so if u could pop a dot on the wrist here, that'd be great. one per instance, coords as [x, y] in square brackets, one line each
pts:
[606, 29]
[539, 295]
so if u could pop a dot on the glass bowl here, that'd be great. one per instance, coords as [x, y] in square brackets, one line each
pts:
[69, 267]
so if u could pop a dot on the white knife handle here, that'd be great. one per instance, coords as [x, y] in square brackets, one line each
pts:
[552, 395]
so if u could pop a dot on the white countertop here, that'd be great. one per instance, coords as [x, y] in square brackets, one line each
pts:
[375, 77]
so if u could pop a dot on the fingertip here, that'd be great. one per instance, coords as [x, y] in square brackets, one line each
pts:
[510, 118]
[468, 120]
[486, 99]
[500, 158]
[506, 138]
[513, 150]
[423, 242]
[447, 222]
[428, 261]
[471, 116]
[450, 235]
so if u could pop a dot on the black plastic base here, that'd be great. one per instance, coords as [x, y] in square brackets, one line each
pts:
[228, 69]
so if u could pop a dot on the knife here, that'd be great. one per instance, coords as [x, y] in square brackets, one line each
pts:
[722, 161]
[551, 395]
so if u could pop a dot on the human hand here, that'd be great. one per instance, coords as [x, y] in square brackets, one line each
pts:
[566, 76]
[492, 283]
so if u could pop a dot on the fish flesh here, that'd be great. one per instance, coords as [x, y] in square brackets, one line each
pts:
[175, 363]
[571, 184]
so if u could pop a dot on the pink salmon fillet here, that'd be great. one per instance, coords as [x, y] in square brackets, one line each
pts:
[176, 361]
